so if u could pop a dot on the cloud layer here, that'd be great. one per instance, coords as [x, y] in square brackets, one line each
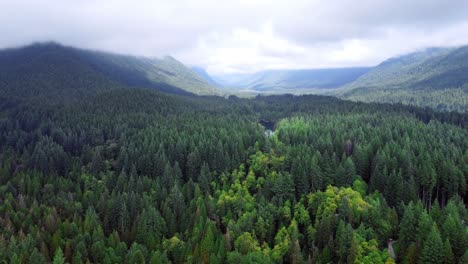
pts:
[242, 36]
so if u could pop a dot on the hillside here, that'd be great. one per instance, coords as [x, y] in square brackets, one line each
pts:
[436, 77]
[121, 173]
[61, 70]
[204, 75]
[292, 80]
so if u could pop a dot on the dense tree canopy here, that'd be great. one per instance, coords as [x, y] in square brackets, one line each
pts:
[136, 176]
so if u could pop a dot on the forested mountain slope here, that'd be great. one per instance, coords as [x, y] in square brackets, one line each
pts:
[435, 77]
[52, 69]
[139, 176]
[204, 75]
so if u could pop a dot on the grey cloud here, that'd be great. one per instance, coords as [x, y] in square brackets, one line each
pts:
[304, 33]
[336, 20]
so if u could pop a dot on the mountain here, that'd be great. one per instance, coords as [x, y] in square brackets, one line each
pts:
[204, 75]
[292, 80]
[65, 70]
[435, 77]
[126, 174]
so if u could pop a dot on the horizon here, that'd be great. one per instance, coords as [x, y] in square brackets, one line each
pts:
[242, 37]
[222, 74]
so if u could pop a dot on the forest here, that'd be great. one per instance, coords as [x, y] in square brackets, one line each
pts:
[138, 176]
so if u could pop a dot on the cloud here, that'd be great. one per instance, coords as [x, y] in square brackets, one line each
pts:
[242, 36]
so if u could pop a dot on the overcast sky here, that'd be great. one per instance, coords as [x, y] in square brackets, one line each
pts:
[241, 36]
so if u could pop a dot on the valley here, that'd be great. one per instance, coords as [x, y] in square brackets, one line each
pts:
[237, 132]
[102, 163]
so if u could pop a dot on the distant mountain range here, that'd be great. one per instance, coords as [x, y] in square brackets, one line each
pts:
[436, 77]
[62, 70]
[292, 80]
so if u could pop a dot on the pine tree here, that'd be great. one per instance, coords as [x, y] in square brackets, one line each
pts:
[177, 173]
[353, 250]
[411, 190]
[344, 239]
[36, 257]
[349, 174]
[159, 258]
[378, 180]
[424, 224]
[205, 179]
[97, 163]
[59, 258]
[159, 162]
[14, 259]
[433, 248]
[464, 258]
[219, 160]
[453, 229]
[449, 257]
[394, 189]
[316, 178]
[361, 158]
[168, 177]
[137, 257]
[193, 165]
[283, 188]
[300, 178]
[408, 226]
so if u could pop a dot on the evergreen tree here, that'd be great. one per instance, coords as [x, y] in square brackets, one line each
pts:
[184, 179]
[97, 163]
[193, 165]
[283, 188]
[59, 258]
[408, 226]
[159, 258]
[205, 179]
[433, 248]
[36, 257]
[453, 229]
[449, 257]
[464, 258]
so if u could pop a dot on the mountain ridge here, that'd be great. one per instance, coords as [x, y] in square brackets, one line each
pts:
[47, 63]
[435, 77]
[201, 72]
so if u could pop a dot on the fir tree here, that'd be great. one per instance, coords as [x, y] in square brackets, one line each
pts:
[433, 248]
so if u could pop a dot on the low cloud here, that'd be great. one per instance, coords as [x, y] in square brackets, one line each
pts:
[242, 36]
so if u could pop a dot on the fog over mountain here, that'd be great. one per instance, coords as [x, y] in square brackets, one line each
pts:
[242, 36]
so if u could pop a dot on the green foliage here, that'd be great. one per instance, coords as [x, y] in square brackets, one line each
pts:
[59, 258]
[433, 248]
[136, 176]
[433, 78]
[74, 72]
[245, 244]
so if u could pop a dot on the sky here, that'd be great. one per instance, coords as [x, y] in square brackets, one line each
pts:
[243, 35]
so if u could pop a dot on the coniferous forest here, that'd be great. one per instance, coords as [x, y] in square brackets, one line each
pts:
[138, 176]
